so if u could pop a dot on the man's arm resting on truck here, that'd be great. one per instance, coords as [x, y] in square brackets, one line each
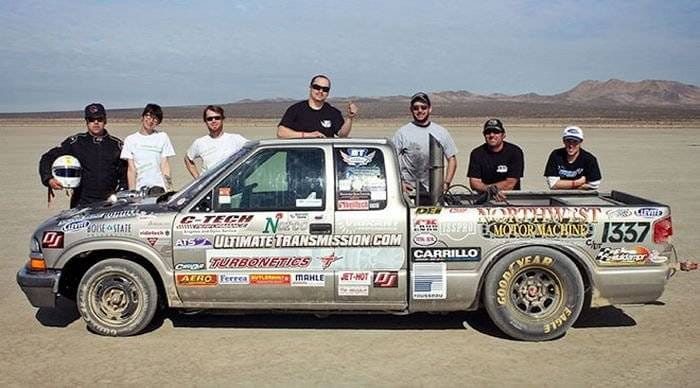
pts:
[556, 183]
[506, 184]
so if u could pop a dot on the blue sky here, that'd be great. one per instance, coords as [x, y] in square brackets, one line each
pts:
[62, 55]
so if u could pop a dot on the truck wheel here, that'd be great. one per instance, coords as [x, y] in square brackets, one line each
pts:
[534, 294]
[117, 297]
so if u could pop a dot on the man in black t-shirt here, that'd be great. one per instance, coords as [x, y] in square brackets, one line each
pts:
[496, 162]
[572, 167]
[315, 117]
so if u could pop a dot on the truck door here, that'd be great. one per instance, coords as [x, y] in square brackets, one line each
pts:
[249, 242]
[370, 230]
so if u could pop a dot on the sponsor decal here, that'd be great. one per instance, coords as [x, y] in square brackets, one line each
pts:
[619, 213]
[560, 215]
[232, 261]
[308, 279]
[593, 244]
[104, 229]
[152, 241]
[355, 204]
[649, 212]
[446, 254]
[463, 228]
[357, 156]
[515, 267]
[629, 232]
[189, 266]
[386, 279]
[378, 224]
[105, 216]
[538, 222]
[457, 210]
[233, 278]
[276, 224]
[76, 226]
[143, 233]
[428, 210]
[354, 278]
[424, 239]
[224, 195]
[425, 225]
[190, 280]
[429, 281]
[209, 224]
[623, 256]
[556, 323]
[353, 290]
[270, 279]
[296, 241]
[327, 261]
[191, 243]
[52, 240]
[309, 202]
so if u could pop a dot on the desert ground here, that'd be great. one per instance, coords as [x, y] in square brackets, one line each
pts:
[638, 345]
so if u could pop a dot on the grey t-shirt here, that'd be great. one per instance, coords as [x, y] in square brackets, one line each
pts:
[413, 146]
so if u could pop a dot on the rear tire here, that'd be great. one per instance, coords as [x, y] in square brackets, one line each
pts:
[534, 294]
[117, 297]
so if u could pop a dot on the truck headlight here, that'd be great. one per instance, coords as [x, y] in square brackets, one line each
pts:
[34, 245]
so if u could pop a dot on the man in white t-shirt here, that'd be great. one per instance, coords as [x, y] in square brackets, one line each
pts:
[147, 152]
[214, 147]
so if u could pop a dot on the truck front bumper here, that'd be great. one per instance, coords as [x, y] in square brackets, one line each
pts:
[40, 288]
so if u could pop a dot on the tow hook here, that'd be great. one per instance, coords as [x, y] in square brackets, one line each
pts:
[688, 266]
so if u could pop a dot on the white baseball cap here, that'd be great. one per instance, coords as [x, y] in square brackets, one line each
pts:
[573, 132]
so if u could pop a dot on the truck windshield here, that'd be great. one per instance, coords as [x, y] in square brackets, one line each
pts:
[185, 194]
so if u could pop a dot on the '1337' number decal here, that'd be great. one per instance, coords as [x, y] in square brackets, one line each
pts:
[629, 232]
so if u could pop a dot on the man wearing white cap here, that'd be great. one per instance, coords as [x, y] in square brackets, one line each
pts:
[572, 167]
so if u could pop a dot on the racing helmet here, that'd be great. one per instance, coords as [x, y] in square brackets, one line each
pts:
[67, 170]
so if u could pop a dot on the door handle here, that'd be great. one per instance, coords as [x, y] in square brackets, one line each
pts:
[320, 228]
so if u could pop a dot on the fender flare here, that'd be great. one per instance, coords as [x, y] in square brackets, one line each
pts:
[165, 273]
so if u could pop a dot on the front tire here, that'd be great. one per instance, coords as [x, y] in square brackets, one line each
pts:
[534, 294]
[117, 297]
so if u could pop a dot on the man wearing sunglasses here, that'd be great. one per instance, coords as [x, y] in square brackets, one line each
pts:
[315, 117]
[103, 172]
[496, 164]
[572, 167]
[413, 146]
[214, 147]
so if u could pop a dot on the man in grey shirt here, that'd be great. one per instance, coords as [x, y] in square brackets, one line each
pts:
[413, 145]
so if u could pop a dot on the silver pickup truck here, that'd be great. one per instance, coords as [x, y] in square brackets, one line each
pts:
[322, 226]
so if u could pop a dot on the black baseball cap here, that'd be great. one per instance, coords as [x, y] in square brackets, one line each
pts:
[493, 125]
[422, 97]
[95, 111]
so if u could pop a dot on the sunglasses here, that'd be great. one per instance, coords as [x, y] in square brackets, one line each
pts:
[96, 120]
[212, 118]
[324, 89]
[419, 107]
[492, 132]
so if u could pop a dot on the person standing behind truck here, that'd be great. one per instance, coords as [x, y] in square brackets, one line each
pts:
[147, 152]
[315, 117]
[495, 163]
[572, 167]
[103, 172]
[214, 147]
[412, 143]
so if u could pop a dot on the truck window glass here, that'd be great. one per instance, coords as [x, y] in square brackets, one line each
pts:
[273, 180]
[361, 179]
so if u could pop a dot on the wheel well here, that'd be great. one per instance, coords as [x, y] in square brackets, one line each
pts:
[582, 269]
[75, 268]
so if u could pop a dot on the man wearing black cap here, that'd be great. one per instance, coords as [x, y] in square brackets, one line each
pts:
[496, 162]
[413, 146]
[103, 172]
[315, 117]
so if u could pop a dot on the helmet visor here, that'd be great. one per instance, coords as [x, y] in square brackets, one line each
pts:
[66, 172]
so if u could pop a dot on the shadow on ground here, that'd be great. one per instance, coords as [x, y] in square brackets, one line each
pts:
[66, 313]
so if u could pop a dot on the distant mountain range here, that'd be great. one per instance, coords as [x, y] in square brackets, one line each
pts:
[614, 99]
